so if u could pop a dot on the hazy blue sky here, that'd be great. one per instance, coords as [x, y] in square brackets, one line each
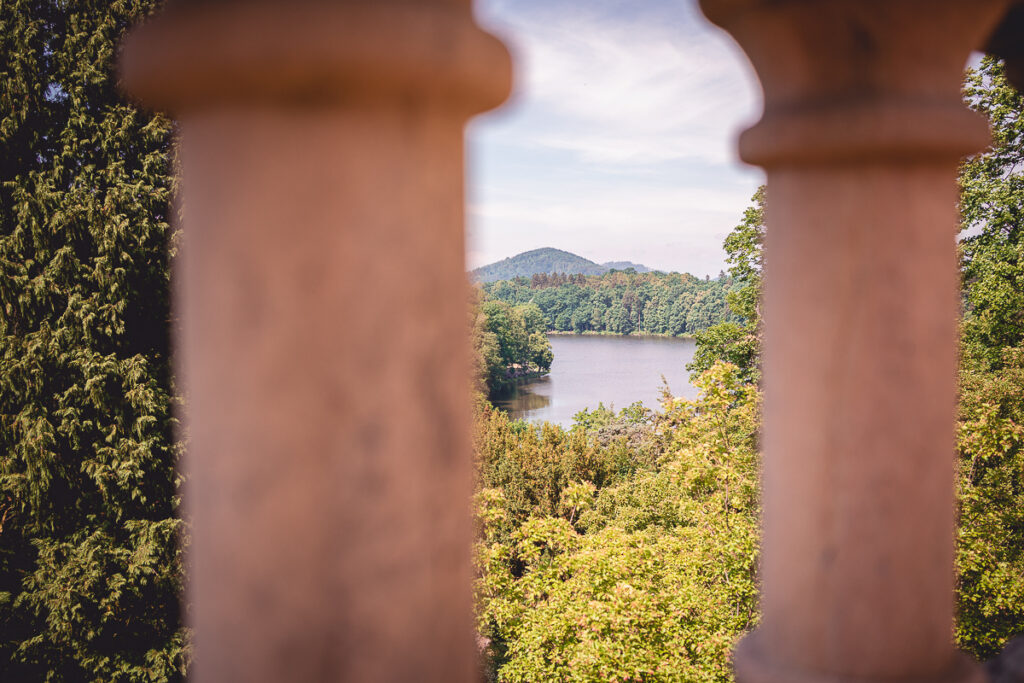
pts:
[619, 140]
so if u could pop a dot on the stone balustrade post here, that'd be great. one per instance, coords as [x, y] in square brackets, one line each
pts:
[862, 131]
[322, 328]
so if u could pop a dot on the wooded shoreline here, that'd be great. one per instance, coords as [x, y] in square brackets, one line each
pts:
[592, 333]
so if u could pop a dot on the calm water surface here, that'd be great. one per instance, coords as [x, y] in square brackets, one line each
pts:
[616, 371]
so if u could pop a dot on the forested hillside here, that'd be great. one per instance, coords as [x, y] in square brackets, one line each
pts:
[622, 302]
[626, 265]
[547, 261]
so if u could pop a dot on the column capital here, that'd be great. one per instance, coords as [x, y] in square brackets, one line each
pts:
[857, 81]
[205, 54]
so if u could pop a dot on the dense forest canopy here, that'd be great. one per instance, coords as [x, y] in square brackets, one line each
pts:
[624, 548]
[622, 302]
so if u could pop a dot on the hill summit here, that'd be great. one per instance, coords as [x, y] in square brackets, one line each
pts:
[548, 260]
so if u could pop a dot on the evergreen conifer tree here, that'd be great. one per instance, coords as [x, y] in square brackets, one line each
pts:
[90, 565]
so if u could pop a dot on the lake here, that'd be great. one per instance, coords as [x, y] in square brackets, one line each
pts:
[592, 369]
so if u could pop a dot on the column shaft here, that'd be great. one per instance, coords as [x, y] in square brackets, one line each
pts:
[860, 384]
[862, 130]
[323, 310]
[323, 341]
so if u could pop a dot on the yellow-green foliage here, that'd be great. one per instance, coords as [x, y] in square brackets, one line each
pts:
[990, 534]
[647, 574]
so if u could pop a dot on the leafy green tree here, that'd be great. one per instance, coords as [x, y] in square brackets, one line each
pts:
[646, 572]
[489, 368]
[992, 206]
[90, 566]
[729, 342]
[508, 328]
[739, 343]
[745, 255]
[509, 343]
[533, 318]
[990, 534]
[539, 351]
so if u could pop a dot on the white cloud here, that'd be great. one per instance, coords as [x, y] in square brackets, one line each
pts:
[629, 86]
[620, 139]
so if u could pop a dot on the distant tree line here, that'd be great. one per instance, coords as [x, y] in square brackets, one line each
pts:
[621, 302]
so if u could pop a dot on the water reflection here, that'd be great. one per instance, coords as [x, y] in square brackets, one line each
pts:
[523, 398]
[615, 371]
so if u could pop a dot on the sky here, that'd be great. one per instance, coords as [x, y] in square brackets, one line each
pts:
[618, 143]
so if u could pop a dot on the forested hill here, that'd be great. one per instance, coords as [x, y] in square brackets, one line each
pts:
[548, 260]
[623, 265]
[621, 302]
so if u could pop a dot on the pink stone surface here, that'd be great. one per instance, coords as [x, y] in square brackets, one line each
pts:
[323, 348]
[861, 134]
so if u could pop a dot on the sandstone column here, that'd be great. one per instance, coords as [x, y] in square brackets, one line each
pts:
[861, 134]
[321, 299]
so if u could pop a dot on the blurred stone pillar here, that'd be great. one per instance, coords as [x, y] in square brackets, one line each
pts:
[323, 344]
[861, 135]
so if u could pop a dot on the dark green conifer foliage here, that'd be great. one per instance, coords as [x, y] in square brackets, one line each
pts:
[90, 568]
